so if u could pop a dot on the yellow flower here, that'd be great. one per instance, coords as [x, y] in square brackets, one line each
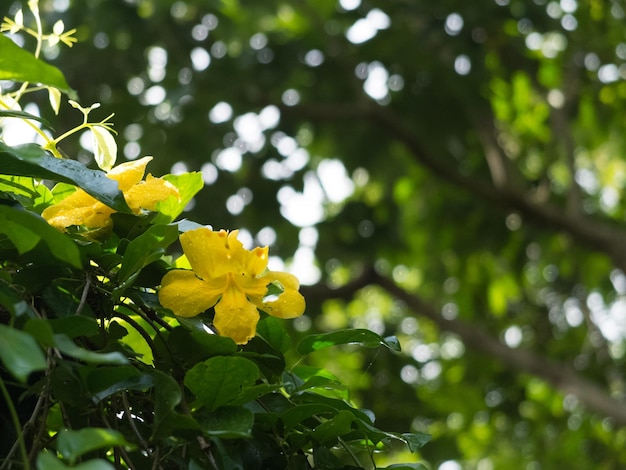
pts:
[232, 279]
[79, 208]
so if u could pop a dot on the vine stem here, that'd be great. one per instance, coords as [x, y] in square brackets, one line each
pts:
[16, 424]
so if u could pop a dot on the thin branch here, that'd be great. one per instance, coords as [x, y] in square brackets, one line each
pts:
[559, 375]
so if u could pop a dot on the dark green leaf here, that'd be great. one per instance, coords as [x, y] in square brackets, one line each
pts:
[74, 326]
[145, 249]
[415, 440]
[23, 115]
[167, 397]
[296, 415]
[219, 380]
[47, 461]
[366, 338]
[13, 303]
[106, 381]
[19, 65]
[338, 426]
[228, 422]
[69, 348]
[32, 160]
[20, 353]
[72, 444]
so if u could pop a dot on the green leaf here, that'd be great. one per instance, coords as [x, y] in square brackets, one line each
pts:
[19, 65]
[145, 249]
[188, 185]
[330, 430]
[272, 330]
[13, 303]
[366, 338]
[74, 326]
[29, 192]
[69, 348]
[404, 466]
[47, 461]
[20, 353]
[32, 160]
[106, 381]
[228, 422]
[415, 440]
[167, 395]
[23, 115]
[219, 380]
[72, 444]
[296, 415]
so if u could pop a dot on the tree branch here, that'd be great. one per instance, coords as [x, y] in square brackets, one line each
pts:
[559, 375]
[592, 232]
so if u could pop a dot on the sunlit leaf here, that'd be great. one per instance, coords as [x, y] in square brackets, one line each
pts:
[26, 230]
[29, 192]
[32, 160]
[54, 96]
[20, 65]
[104, 147]
[188, 185]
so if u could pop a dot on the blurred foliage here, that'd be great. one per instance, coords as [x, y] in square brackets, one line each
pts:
[447, 172]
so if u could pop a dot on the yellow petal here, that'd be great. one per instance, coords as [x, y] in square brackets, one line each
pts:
[236, 317]
[186, 295]
[290, 303]
[256, 261]
[146, 194]
[129, 173]
[207, 252]
[79, 208]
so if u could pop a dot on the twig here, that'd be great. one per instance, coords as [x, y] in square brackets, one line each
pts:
[83, 297]
[16, 425]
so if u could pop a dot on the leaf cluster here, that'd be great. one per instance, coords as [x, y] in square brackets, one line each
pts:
[96, 375]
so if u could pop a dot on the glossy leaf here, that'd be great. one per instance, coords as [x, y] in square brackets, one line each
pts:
[32, 160]
[365, 338]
